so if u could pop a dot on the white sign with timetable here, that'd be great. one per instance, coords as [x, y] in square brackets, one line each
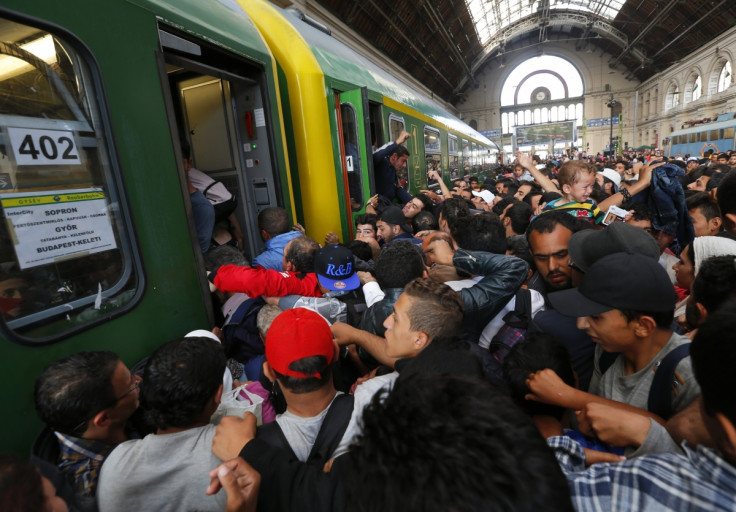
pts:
[51, 225]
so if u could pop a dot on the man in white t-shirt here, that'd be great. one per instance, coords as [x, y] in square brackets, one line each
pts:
[168, 470]
[300, 353]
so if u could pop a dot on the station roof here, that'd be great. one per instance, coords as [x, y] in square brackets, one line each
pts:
[445, 43]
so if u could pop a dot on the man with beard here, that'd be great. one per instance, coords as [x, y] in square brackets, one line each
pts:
[548, 236]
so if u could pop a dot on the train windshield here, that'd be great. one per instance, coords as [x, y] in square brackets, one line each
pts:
[65, 257]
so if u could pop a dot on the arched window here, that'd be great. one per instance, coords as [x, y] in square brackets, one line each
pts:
[540, 91]
[724, 78]
[697, 89]
[672, 99]
[545, 78]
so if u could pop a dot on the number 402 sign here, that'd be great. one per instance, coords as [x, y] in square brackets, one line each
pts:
[43, 147]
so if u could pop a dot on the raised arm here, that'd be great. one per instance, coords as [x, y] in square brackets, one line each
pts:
[702, 150]
[436, 176]
[403, 137]
[645, 178]
[528, 164]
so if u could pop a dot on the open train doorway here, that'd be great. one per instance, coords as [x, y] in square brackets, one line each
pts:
[217, 105]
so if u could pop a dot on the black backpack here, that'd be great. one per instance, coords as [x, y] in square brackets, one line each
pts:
[328, 438]
[355, 303]
[240, 336]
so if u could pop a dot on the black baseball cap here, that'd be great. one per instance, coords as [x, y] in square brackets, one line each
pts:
[619, 281]
[394, 216]
[589, 245]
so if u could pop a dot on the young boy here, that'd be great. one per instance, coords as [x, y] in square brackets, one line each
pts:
[625, 303]
[706, 216]
[577, 178]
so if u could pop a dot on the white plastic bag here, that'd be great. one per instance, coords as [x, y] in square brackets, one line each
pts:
[238, 401]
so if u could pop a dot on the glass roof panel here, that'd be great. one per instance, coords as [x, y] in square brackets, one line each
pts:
[491, 16]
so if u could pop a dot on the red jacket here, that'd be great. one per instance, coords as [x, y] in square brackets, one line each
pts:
[258, 281]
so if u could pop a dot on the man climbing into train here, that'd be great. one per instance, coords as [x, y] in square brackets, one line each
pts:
[388, 162]
[276, 232]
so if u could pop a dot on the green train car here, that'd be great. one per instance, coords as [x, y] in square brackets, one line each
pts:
[339, 106]
[98, 247]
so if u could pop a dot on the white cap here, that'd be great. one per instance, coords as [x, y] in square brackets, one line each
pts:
[611, 175]
[487, 195]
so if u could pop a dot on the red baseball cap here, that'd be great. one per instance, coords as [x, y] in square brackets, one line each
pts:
[295, 334]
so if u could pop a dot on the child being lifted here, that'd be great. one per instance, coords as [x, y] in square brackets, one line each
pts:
[577, 178]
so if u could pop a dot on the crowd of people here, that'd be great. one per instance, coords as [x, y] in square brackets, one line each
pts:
[557, 338]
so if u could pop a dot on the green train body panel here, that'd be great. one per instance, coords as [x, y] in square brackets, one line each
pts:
[122, 38]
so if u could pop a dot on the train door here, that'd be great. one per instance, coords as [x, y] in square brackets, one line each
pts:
[354, 127]
[217, 103]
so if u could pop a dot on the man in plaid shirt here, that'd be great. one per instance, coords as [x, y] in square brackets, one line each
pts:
[85, 399]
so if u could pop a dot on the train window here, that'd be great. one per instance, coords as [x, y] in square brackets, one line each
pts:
[728, 133]
[352, 155]
[65, 254]
[454, 159]
[466, 158]
[432, 154]
[452, 144]
[395, 126]
[714, 135]
[693, 137]
[703, 136]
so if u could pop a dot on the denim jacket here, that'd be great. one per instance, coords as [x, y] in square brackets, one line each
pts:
[666, 198]
[272, 257]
